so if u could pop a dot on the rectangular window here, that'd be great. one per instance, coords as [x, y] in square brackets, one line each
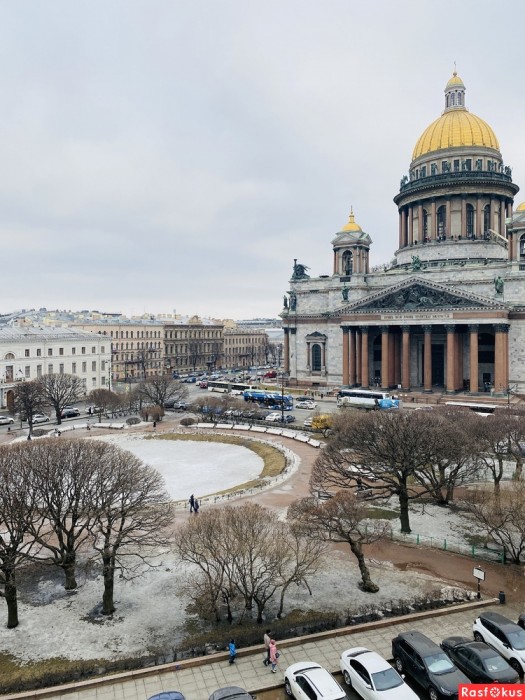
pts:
[61, 368]
[74, 368]
[84, 367]
[60, 351]
[39, 370]
[83, 351]
[73, 351]
[456, 166]
[103, 349]
[50, 369]
[27, 372]
[103, 365]
[103, 381]
[94, 366]
[93, 350]
[94, 382]
[50, 351]
[26, 353]
[39, 352]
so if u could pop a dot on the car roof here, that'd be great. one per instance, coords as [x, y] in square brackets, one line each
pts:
[419, 641]
[498, 619]
[167, 695]
[374, 662]
[318, 677]
[231, 691]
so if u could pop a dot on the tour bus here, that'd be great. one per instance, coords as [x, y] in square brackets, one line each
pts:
[225, 387]
[367, 398]
[480, 409]
[269, 399]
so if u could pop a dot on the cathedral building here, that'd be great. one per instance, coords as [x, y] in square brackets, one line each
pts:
[448, 313]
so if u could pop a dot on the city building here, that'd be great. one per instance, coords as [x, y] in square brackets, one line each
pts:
[448, 314]
[192, 343]
[137, 346]
[32, 352]
[245, 347]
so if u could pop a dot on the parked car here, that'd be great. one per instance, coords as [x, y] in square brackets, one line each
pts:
[503, 635]
[167, 695]
[425, 662]
[276, 417]
[231, 692]
[478, 661]
[6, 420]
[69, 412]
[180, 405]
[308, 422]
[372, 677]
[40, 418]
[309, 405]
[307, 680]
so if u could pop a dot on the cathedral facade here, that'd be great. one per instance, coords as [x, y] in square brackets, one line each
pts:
[448, 313]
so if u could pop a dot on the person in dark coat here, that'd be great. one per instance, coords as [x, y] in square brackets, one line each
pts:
[191, 501]
[196, 506]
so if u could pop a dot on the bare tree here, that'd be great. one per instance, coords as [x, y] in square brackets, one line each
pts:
[19, 514]
[105, 401]
[60, 390]
[501, 516]
[387, 448]
[64, 477]
[29, 399]
[132, 511]
[162, 390]
[455, 453]
[493, 438]
[342, 518]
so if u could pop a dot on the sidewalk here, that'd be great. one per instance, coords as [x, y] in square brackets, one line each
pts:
[198, 678]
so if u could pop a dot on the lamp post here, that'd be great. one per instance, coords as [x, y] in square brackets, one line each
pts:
[282, 396]
[510, 390]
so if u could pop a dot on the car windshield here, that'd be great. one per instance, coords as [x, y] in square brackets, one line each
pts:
[495, 663]
[439, 663]
[517, 639]
[384, 680]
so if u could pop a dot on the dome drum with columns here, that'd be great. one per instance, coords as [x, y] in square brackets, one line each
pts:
[448, 314]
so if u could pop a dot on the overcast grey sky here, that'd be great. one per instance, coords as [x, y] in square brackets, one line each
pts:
[178, 154]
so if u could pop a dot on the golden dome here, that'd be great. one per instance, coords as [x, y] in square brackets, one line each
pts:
[351, 225]
[456, 127]
[521, 207]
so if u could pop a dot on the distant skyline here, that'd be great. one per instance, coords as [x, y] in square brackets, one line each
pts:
[161, 155]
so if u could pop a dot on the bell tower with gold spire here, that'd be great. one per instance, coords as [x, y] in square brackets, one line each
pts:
[351, 250]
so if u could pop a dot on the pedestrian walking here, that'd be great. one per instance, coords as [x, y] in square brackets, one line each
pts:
[196, 506]
[274, 655]
[233, 651]
[191, 501]
[267, 639]
[154, 426]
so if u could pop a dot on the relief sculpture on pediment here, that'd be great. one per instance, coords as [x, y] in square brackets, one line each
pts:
[418, 296]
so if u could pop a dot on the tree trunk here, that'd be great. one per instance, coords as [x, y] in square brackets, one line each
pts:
[404, 516]
[10, 596]
[108, 568]
[367, 584]
[69, 571]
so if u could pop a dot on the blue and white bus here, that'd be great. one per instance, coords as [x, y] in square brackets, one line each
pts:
[269, 399]
[225, 387]
[367, 399]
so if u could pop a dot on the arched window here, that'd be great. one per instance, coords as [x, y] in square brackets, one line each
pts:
[522, 247]
[452, 100]
[441, 221]
[316, 358]
[486, 218]
[9, 356]
[470, 221]
[348, 263]
[459, 98]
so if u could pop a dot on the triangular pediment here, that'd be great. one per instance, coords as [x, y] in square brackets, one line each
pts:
[420, 295]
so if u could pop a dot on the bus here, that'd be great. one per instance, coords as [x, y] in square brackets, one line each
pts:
[225, 387]
[367, 398]
[269, 399]
[480, 409]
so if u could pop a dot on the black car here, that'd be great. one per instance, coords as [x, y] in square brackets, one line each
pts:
[478, 661]
[70, 413]
[231, 692]
[427, 664]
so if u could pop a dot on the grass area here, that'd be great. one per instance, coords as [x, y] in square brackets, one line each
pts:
[378, 513]
[274, 461]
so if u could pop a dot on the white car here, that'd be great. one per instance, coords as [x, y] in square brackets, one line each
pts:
[307, 680]
[273, 417]
[503, 635]
[40, 418]
[6, 420]
[372, 677]
[309, 405]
